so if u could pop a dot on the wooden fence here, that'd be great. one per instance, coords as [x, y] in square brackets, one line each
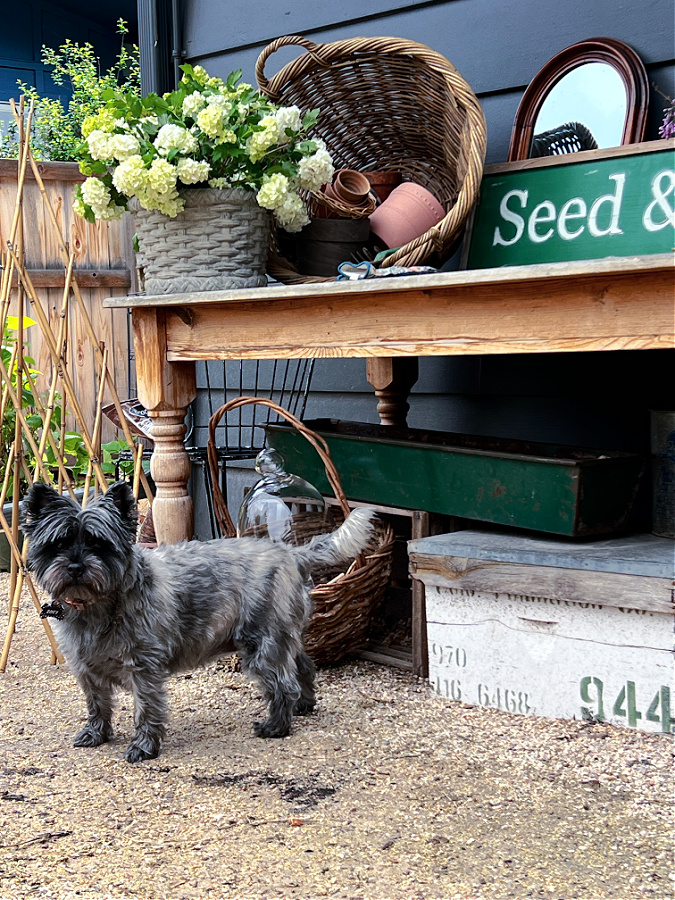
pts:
[104, 266]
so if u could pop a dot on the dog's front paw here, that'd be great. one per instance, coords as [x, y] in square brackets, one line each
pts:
[304, 707]
[93, 735]
[143, 746]
[269, 729]
[136, 753]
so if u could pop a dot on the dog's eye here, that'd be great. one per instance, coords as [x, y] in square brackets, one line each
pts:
[91, 542]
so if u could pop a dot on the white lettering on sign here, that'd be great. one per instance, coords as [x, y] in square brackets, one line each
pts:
[568, 214]
[541, 214]
[614, 201]
[660, 202]
[512, 217]
[574, 217]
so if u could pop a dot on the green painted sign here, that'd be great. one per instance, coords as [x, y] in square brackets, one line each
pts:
[620, 205]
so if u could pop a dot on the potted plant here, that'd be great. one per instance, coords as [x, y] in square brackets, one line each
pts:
[202, 167]
[75, 456]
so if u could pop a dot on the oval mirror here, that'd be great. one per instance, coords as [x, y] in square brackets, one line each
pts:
[592, 95]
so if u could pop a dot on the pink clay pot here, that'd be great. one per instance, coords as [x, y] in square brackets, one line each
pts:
[407, 213]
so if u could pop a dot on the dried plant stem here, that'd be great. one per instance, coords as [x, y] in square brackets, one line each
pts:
[86, 318]
[96, 438]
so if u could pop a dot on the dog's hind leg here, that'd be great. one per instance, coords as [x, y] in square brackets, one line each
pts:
[150, 715]
[272, 664]
[306, 674]
[98, 729]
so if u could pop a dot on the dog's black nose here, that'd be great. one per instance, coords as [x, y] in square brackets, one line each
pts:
[75, 569]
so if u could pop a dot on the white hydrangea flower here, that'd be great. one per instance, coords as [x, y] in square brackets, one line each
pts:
[193, 103]
[123, 146]
[273, 191]
[130, 176]
[291, 214]
[78, 206]
[168, 202]
[95, 194]
[315, 170]
[218, 100]
[201, 76]
[99, 145]
[191, 172]
[287, 117]
[210, 120]
[260, 142]
[162, 176]
[175, 137]
[219, 183]
[110, 212]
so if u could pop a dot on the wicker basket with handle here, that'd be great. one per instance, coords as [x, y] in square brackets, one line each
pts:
[387, 104]
[344, 603]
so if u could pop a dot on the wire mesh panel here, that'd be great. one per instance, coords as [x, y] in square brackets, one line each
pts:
[241, 433]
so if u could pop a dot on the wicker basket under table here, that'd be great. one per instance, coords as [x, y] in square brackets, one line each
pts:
[344, 602]
[387, 103]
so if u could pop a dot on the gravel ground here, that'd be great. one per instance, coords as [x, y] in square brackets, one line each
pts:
[386, 793]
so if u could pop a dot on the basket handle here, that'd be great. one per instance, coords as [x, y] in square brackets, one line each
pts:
[320, 445]
[313, 49]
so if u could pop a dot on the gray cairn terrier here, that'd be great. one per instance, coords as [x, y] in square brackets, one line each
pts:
[130, 617]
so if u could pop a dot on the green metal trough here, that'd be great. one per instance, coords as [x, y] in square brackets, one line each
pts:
[543, 487]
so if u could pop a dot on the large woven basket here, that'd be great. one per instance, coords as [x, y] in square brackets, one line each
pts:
[387, 104]
[344, 603]
[218, 242]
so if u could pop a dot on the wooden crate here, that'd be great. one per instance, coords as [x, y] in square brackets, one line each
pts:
[541, 627]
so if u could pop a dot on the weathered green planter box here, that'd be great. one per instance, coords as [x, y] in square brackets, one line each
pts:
[544, 487]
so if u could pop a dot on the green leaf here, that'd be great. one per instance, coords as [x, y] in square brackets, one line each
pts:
[232, 79]
[310, 118]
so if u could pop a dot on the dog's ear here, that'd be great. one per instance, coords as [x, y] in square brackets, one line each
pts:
[38, 502]
[122, 497]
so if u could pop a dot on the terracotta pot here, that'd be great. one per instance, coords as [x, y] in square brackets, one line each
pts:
[383, 183]
[349, 187]
[407, 213]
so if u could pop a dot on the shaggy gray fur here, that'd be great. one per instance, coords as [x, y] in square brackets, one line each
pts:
[132, 617]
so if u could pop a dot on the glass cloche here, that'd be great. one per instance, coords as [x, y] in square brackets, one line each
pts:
[282, 506]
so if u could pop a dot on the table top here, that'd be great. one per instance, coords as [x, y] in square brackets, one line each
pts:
[615, 267]
[609, 304]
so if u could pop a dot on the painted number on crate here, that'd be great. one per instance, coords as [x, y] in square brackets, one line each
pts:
[625, 704]
[449, 656]
[448, 687]
[503, 698]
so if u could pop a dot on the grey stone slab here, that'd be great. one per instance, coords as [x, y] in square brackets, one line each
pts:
[641, 554]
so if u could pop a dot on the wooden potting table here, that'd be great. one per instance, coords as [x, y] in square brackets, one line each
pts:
[612, 304]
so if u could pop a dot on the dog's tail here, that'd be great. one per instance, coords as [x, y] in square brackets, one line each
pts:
[355, 535]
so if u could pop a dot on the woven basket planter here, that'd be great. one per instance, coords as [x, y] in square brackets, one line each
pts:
[218, 242]
[343, 601]
[387, 104]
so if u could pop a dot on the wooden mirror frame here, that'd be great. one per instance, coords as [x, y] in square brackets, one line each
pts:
[603, 50]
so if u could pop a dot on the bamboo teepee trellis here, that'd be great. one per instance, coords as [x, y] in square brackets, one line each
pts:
[28, 302]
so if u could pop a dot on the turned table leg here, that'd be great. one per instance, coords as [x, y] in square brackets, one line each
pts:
[392, 378]
[166, 390]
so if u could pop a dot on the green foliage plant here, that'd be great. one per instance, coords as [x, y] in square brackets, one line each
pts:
[75, 456]
[57, 129]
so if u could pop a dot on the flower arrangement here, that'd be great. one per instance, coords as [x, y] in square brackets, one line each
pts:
[208, 132]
